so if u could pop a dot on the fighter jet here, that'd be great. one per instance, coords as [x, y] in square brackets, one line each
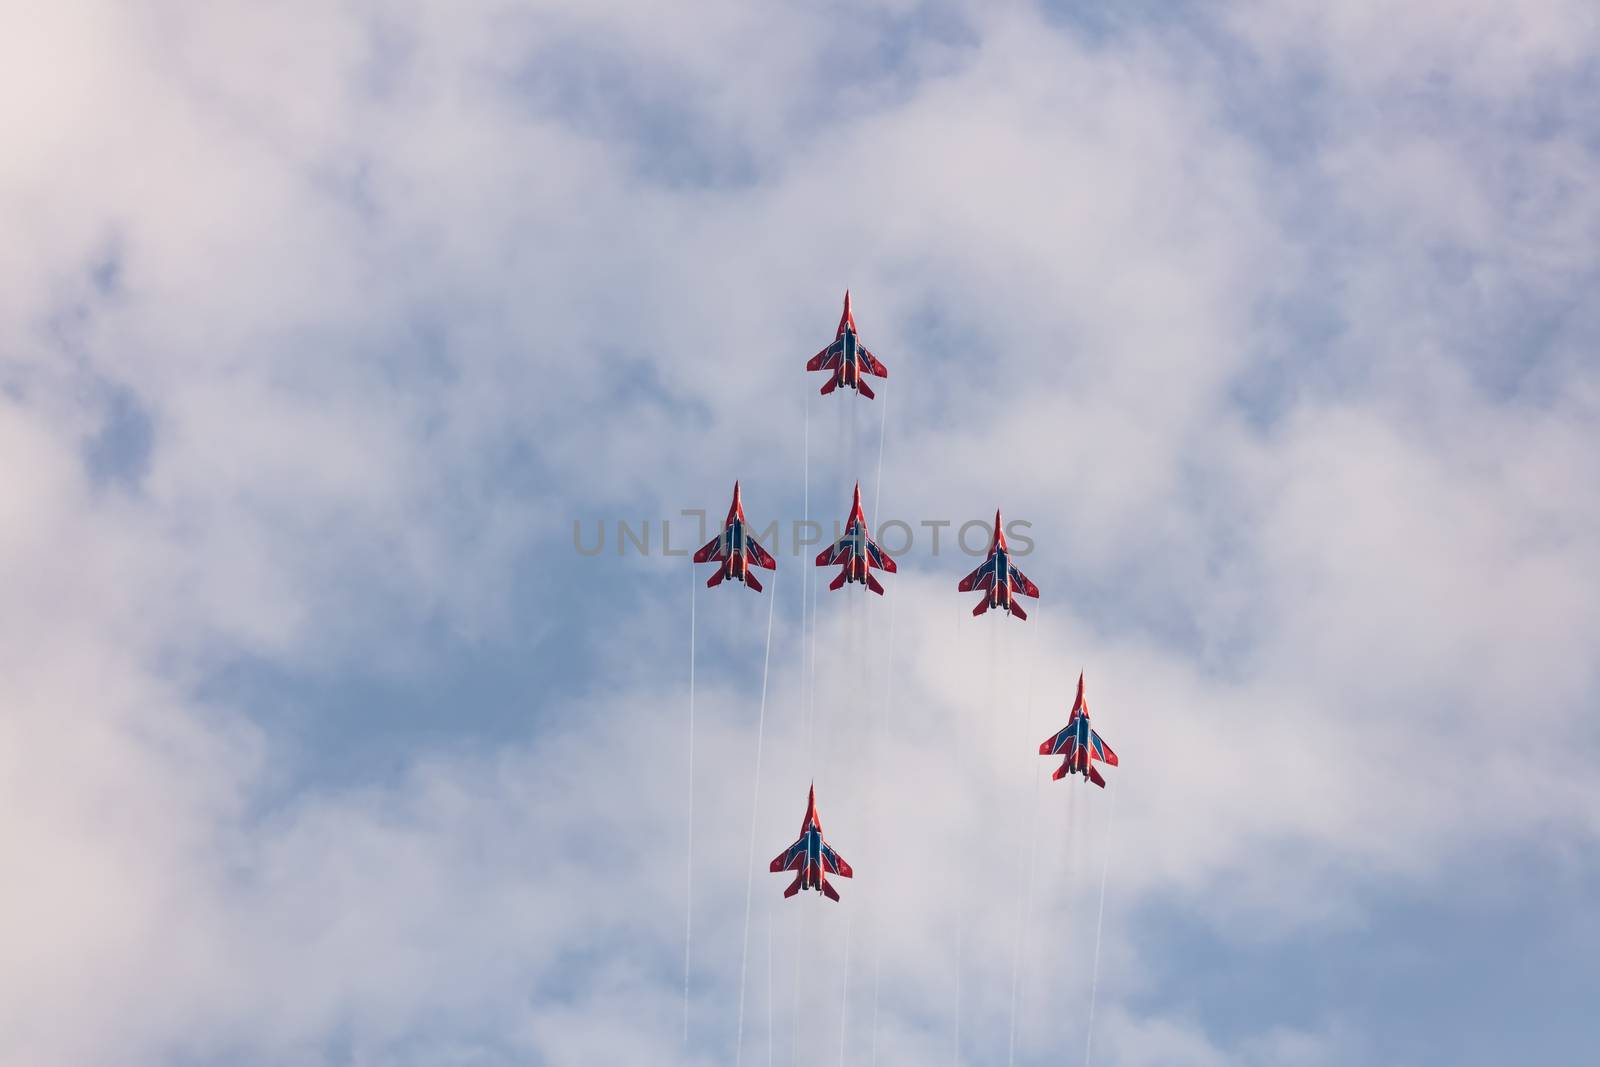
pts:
[847, 358]
[735, 549]
[857, 552]
[811, 857]
[999, 578]
[1080, 745]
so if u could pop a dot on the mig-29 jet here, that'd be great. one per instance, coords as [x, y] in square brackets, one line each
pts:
[856, 552]
[735, 549]
[1080, 745]
[847, 358]
[811, 857]
[999, 578]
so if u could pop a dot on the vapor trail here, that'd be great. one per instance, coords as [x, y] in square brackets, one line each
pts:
[1031, 843]
[688, 892]
[844, 999]
[877, 824]
[1094, 980]
[755, 807]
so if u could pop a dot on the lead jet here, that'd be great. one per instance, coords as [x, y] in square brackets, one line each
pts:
[1080, 745]
[999, 578]
[811, 857]
[735, 549]
[848, 358]
[857, 552]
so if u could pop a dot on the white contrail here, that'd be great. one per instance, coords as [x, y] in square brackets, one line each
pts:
[877, 971]
[877, 824]
[961, 877]
[955, 1052]
[844, 998]
[877, 489]
[1031, 843]
[772, 1011]
[854, 400]
[805, 524]
[688, 891]
[1099, 925]
[755, 807]
[811, 699]
[794, 1020]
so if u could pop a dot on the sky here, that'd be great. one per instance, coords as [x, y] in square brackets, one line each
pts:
[323, 324]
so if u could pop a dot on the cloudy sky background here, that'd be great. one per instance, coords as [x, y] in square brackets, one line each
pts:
[320, 324]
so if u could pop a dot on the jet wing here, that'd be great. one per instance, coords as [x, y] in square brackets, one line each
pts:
[981, 578]
[711, 551]
[827, 359]
[873, 364]
[1063, 741]
[1021, 582]
[837, 552]
[760, 555]
[790, 859]
[834, 863]
[881, 559]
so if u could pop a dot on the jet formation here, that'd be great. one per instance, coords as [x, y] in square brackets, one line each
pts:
[857, 556]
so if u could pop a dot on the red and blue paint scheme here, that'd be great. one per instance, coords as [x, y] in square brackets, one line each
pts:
[999, 578]
[735, 549]
[856, 552]
[811, 857]
[848, 358]
[1080, 745]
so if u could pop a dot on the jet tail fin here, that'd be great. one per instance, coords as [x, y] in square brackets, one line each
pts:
[715, 580]
[983, 606]
[1094, 776]
[872, 584]
[794, 887]
[751, 580]
[828, 890]
[865, 389]
[830, 385]
[838, 583]
[1016, 609]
